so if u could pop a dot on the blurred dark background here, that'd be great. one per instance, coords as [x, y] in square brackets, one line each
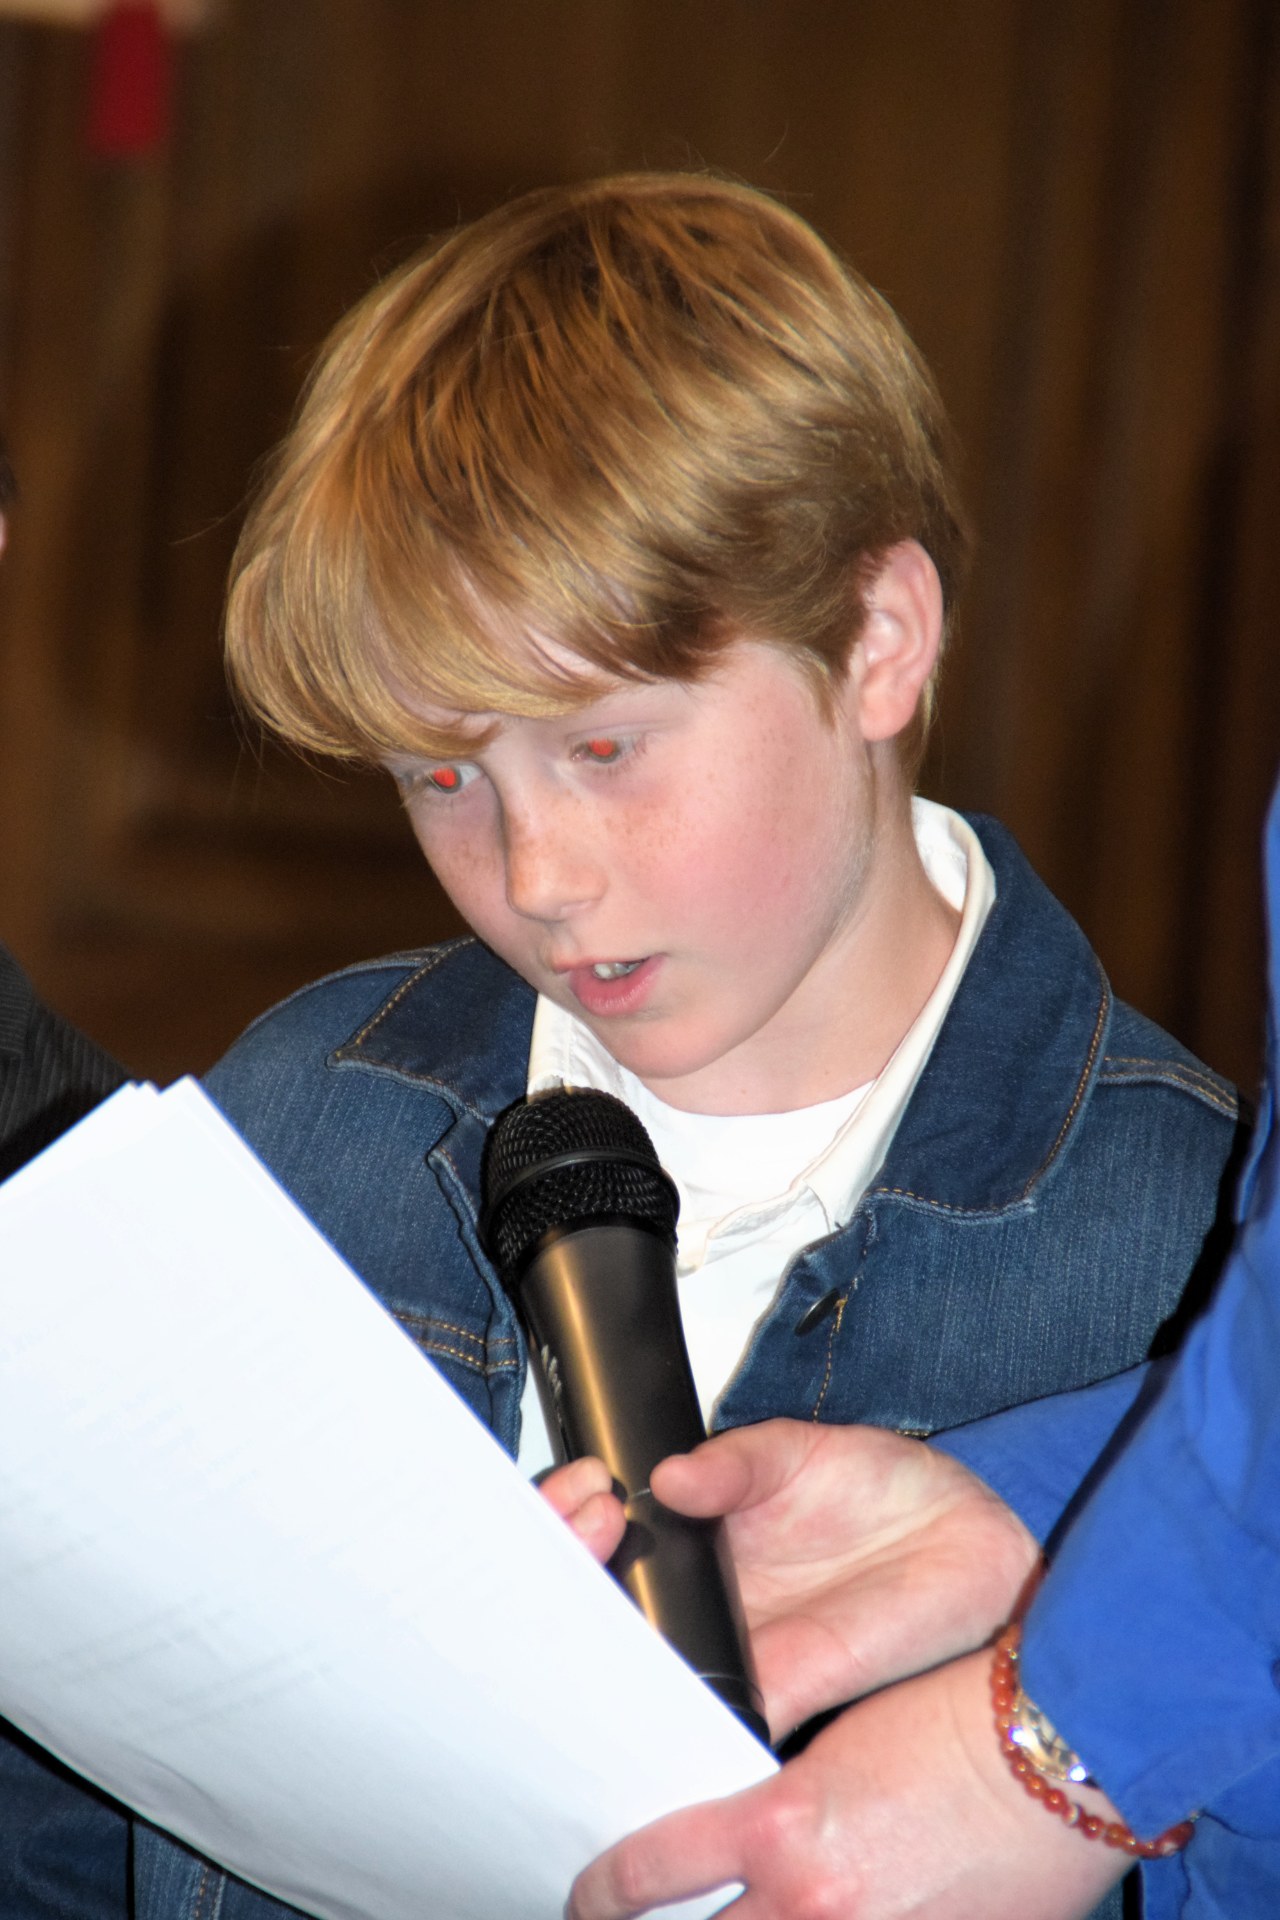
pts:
[1076, 208]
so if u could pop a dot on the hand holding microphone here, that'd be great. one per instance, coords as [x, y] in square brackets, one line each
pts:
[580, 1223]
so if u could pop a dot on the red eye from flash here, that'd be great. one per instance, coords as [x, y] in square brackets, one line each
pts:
[445, 779]
[603, 749]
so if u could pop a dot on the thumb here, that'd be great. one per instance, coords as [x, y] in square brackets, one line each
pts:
[734, 1470]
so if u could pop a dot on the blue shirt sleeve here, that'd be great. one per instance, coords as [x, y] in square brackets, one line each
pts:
[1040, 1458]
[1154, 1645]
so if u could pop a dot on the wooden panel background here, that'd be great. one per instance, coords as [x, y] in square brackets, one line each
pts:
[1077, 209]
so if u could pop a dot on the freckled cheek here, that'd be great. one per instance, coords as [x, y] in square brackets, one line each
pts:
[765, 850]
[717, 868]
[470, 870]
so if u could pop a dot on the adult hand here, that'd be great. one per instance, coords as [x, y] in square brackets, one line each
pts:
[903, 1806]
[862, 1556]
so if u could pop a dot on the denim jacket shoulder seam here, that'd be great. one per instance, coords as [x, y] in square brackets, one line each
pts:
[1020, 1199]
[419, 960]
[1201, 1084]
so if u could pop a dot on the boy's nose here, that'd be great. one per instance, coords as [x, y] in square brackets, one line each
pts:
[551, 867]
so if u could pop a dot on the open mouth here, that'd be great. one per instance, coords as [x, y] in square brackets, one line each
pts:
[607, 987]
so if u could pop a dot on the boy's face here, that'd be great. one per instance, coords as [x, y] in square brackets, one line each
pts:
[685, 868]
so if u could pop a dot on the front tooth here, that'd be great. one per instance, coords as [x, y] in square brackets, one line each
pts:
[614, 969]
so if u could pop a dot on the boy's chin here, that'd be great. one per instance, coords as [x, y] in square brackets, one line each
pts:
[695, 1078]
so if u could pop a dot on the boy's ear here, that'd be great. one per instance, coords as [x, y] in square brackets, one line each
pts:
[898, 646]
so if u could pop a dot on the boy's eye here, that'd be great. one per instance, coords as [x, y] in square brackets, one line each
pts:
[602, 749]
[445, 780]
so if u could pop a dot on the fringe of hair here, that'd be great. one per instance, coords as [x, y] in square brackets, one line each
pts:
[597, 434]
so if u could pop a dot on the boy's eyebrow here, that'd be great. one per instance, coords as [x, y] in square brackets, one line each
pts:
[446, 736]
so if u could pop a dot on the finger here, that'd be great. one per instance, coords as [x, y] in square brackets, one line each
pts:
[803, 1669]
[600, 1523]
[582, 1495]
[691, 1852]
[742, 1468]
[569, 1487]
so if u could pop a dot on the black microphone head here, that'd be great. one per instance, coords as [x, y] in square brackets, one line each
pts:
[564, 1160]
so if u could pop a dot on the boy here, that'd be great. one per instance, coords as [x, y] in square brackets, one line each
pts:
[619, 527]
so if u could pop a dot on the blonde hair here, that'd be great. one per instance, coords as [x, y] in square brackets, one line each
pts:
[599, 433]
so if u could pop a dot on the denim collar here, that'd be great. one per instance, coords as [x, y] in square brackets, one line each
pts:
[993, 1109]
[459, 1024]
[1013, 1063]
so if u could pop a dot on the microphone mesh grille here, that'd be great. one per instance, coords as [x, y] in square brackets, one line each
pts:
[597, 1187]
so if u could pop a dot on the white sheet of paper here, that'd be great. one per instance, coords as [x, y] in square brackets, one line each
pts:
[266, 1579]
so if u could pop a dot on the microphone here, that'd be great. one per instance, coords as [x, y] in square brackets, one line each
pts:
[580, 1222]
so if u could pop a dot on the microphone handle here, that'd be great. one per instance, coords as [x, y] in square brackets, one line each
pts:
[603, 1317]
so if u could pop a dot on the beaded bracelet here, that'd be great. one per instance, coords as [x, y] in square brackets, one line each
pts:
[1112, 1833]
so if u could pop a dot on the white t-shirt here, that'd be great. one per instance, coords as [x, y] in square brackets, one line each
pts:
[757, 1188]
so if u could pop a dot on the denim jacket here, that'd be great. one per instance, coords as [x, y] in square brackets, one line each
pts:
[1051, 1190]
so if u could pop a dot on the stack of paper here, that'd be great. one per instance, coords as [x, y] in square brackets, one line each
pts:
[266, 1579]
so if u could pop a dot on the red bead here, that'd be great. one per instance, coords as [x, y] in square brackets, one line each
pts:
[1115, 1833]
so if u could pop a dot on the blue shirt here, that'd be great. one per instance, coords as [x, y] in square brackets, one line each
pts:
[1154, 1644]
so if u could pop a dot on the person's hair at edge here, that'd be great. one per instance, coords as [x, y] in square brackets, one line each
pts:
[638, 418]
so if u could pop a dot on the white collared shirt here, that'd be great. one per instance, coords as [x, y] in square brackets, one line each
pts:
[756, 1189]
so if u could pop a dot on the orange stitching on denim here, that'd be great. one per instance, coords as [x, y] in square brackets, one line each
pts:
[1174, 1073]
[943, 1206]
[1103, 1007]
[466, 1359]
[836, 1320]
[419, 973]
[422, 1330]
[349, 1050]
[210, 1883]
[426, 1321]
[463, 1333]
